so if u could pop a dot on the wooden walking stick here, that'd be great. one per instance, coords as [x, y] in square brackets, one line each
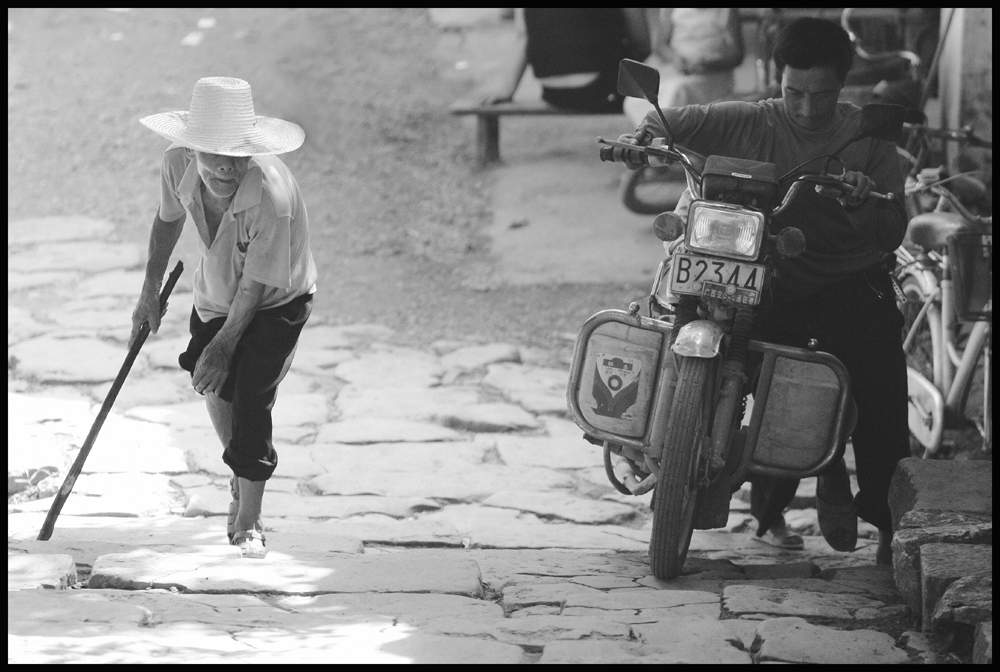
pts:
[67, 487]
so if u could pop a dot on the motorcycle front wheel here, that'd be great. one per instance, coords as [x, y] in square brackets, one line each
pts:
[678, 481]
[651, 190]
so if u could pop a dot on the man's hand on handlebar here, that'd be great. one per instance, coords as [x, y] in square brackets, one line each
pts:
[641, 137]
[862, 188]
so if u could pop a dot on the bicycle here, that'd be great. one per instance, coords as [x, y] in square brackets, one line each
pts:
[945, 278]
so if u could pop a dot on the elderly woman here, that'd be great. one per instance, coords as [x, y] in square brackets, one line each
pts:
[254, 284]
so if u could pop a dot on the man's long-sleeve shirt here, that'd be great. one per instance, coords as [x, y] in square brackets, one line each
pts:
[838, 244]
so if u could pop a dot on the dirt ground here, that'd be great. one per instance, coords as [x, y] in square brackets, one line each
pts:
[397, 208]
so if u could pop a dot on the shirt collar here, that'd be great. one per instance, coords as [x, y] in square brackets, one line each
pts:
[248, 194]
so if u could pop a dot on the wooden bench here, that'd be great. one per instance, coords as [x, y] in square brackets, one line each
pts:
[488, 122]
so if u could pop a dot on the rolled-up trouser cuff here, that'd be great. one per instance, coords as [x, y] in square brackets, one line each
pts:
[250, 468]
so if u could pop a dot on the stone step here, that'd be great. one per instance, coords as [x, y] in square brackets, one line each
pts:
[942, 514]
[956, 589]
[920, 528]
[941, 486]
[982, 653]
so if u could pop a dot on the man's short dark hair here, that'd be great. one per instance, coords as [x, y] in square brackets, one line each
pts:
[813, 43]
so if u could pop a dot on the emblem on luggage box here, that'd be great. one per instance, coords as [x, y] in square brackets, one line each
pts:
[616, 385]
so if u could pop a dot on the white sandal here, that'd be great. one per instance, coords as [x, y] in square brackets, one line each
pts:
[781, 537]
[251, 543]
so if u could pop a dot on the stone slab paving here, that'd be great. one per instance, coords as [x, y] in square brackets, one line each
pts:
[213, 500]
[125, 495]
[27, 232]
[100, 256]
[406, 402]
[755, 599]
[562, 506]
[112, 626]
[538, 389]
[68, 360]
[794, 640]
[26, 571]
[725, 642]
[489, 418]
[430, 505]
[450, 481]
[223, 571]
[383, 430]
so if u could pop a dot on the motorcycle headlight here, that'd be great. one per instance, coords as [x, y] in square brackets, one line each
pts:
[724, 230]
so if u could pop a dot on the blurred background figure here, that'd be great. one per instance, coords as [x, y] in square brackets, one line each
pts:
[696, 51]
[574, 54]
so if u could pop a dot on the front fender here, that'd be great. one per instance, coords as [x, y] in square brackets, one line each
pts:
[698, 338]
[925, 278]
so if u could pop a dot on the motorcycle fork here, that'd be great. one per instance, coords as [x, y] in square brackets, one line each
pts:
[725, 441]
[730, 398]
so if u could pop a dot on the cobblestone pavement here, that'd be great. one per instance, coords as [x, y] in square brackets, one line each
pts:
[429, 506]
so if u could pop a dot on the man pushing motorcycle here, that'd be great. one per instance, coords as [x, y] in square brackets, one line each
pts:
[837, 296]
[253, 288]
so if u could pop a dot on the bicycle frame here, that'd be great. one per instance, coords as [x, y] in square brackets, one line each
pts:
[940, 403]
[953, 366]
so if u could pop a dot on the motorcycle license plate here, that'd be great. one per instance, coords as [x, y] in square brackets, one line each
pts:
[725, 279]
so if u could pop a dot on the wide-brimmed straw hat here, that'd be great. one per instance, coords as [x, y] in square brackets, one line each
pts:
[222, 121]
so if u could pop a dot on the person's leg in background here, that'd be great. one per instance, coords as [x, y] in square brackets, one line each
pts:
[877, 366]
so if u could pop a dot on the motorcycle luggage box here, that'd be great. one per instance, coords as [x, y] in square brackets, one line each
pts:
[615, 378]
[802, 411]
[756, 179]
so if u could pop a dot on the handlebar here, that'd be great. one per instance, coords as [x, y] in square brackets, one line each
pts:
[845, 22]
[962, 135]
[956, 203]
[639, 155]
[834, 182]
[621, 155]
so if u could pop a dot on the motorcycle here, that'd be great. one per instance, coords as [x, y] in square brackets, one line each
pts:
[666, 393]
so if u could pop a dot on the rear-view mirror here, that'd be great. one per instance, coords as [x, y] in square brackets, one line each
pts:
[885, 122]
[638, 80]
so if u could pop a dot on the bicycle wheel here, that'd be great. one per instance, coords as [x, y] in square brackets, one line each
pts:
[652, 190]
[677, 483]
[923, 342]
[975, 432]
[920, 336]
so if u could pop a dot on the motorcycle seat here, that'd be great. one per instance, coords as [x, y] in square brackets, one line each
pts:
[931, 230]
[968, 189]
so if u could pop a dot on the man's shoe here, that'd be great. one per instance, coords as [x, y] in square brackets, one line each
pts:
[780, 536]
[835, 508]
